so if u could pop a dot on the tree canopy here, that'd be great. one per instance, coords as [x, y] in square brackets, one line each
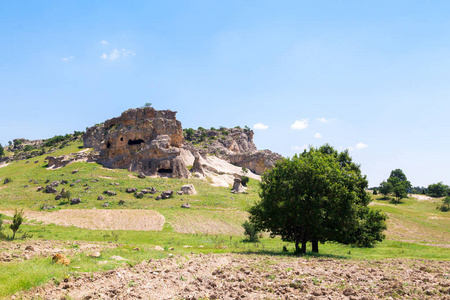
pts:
[317, 196]
[397, 183]
[438, 189]
[2, 151]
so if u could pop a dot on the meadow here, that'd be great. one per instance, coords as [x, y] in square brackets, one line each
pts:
[416, 230]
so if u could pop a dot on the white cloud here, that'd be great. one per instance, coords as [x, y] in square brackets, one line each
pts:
[104, 42]
[300, 124]
[116, 54]
[67, 58]
[299, 148]
[323, 120]
[260, 126]
[318, 136]
[360, 146]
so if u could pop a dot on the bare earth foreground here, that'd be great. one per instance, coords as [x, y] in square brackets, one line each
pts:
[233, 276]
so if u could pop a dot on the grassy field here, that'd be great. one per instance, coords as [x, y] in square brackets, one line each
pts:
[415, 228]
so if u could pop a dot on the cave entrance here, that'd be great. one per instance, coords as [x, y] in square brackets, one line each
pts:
[135, 142]
[165, 171]
[108, 144]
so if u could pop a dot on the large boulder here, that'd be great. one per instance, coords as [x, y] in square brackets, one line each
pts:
[237, 186]
[188, 189]
[75, 201]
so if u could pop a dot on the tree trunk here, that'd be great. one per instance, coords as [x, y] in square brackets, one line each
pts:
[315, 246]
[303, 237]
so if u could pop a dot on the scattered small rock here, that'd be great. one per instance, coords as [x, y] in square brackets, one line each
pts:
[74, 201]
[185, 205]
[110, 193]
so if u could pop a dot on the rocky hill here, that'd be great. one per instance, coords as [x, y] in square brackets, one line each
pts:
[153, 143]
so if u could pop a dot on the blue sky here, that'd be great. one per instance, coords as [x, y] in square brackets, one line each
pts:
[371, 76]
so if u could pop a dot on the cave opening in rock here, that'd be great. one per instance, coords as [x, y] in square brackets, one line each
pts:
[121, 139]
[108, 145]
[135, 142]
[165, 171]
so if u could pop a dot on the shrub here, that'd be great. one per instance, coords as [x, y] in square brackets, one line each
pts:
[445, 205]
[17, 221]
[28, 148]
[65, 195]
[189, 134]
[244, 180]
[251, 232]
[375, 192]
[2, 234]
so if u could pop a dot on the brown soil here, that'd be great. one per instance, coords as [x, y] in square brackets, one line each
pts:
[14, 251]
[230, 276]
[216, 222]
[103, 219]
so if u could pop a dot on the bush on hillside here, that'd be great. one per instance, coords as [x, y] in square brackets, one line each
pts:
[445, 205]
[251, 232]
[244, 180]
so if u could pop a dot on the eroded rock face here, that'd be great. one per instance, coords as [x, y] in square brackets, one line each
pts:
[257, 162]
[143, 140]
[235, 145]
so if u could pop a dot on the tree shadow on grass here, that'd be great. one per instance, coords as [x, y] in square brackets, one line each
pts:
[292, 254]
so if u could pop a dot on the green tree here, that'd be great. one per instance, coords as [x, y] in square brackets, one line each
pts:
[17, 221]
[400, 191]
[375, 192]
[317, 196]
[2, 151]
[189, 134]
[400, 184]
[385, 188]
[438, 189]
[445, 204]
[147, 104]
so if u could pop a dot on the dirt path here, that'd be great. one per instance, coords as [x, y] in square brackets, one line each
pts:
[105, 219]
[423, 197]
[229, 276]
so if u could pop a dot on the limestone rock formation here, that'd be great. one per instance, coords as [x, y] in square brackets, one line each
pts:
[188, 189]
[55, 162]
[143, 140]
[234, 145]
[257, 162]
[237, 186]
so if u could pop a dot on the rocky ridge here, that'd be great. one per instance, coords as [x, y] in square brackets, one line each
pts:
[153, 143]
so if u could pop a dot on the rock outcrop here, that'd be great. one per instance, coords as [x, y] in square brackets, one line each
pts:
[152, 143]
[234, 145]
[257, 162]
[55, 162]
[142, 140]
